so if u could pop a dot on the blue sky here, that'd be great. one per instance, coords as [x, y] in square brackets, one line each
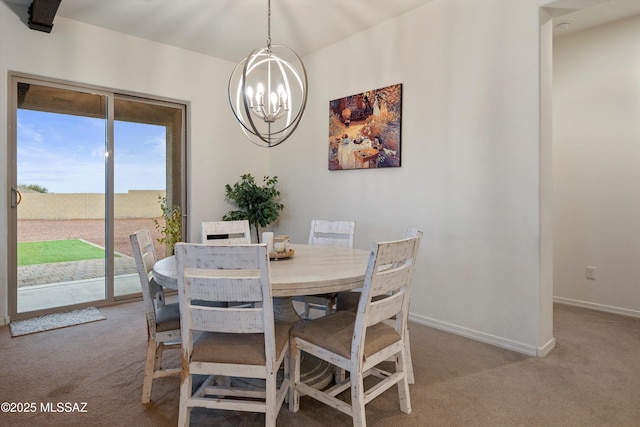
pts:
[65, 153]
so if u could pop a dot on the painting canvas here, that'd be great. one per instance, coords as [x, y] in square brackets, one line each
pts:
[364, 129]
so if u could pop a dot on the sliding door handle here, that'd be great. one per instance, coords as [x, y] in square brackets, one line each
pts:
[16, 198]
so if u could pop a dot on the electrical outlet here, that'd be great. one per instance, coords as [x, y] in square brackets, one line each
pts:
[591, 273]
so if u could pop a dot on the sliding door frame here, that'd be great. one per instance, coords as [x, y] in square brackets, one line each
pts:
[12, 216]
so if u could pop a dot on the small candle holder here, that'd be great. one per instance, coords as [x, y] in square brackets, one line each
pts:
[281, 244]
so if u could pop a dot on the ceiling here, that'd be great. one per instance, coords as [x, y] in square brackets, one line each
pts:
[231, 29]
[602, 12]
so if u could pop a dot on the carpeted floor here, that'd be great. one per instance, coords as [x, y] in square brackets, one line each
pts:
[592, 378]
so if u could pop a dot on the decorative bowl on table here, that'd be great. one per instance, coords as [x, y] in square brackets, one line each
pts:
[281, 255]
[280, 248]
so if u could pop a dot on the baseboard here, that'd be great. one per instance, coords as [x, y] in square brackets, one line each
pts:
[4, 321]
[599, 307]
[546, 349]
[484, 337]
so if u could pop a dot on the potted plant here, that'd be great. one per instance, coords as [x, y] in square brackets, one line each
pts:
[172, 228]
[257, 204]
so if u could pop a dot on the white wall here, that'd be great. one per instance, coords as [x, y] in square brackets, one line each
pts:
[596, 142]
[470, 175]
[86, 54]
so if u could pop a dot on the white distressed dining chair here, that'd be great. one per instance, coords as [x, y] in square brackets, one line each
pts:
[327, 233]
[163, 320]
[349, 301]
[225, 232]
[235, 341]
[359, 342]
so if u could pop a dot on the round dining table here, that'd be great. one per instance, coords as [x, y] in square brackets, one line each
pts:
[310, 270]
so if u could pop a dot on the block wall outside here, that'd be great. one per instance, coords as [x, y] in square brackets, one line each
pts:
[134, 204]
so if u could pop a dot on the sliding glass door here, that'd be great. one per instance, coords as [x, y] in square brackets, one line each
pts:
[60, 196]
[88, 167]
[147, 172]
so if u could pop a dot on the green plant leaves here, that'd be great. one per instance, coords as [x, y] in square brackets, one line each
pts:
[172, 228]
[257, 204]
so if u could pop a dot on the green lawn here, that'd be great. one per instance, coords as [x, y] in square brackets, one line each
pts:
[30, 253]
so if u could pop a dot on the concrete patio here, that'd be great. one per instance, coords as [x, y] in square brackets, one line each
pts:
[45, 286]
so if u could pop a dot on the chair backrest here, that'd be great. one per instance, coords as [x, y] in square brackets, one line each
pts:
[386, 290]
[222, 233]
[332, 233]
[414, 232]
[233, 274]
[145, 257]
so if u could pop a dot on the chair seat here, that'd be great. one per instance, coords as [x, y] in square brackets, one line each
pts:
[347, 301]
[168, 317]
[335, 333]
[242, 349]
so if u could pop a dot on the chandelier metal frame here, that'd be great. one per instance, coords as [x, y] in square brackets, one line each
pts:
[276, 121]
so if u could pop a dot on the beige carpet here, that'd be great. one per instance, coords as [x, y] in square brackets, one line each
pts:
[592, 378]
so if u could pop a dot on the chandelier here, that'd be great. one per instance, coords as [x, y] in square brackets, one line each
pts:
[268, 92]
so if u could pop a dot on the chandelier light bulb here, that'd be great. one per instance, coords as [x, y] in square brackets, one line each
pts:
[249, 96]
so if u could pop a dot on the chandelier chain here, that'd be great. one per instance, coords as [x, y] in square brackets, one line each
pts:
[269, 25]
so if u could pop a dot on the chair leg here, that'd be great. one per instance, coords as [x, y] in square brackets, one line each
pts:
[307, 310]
[294, 375]
[330, 303]
[158, 361]
[185, 395]
[339, 375]
[270, 401]
[287, 368]
[149, 366]
[221, 381]
[357, 400]
[407, 357]
[403, 385]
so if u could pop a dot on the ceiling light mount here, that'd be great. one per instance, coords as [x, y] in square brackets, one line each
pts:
[268, 92]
